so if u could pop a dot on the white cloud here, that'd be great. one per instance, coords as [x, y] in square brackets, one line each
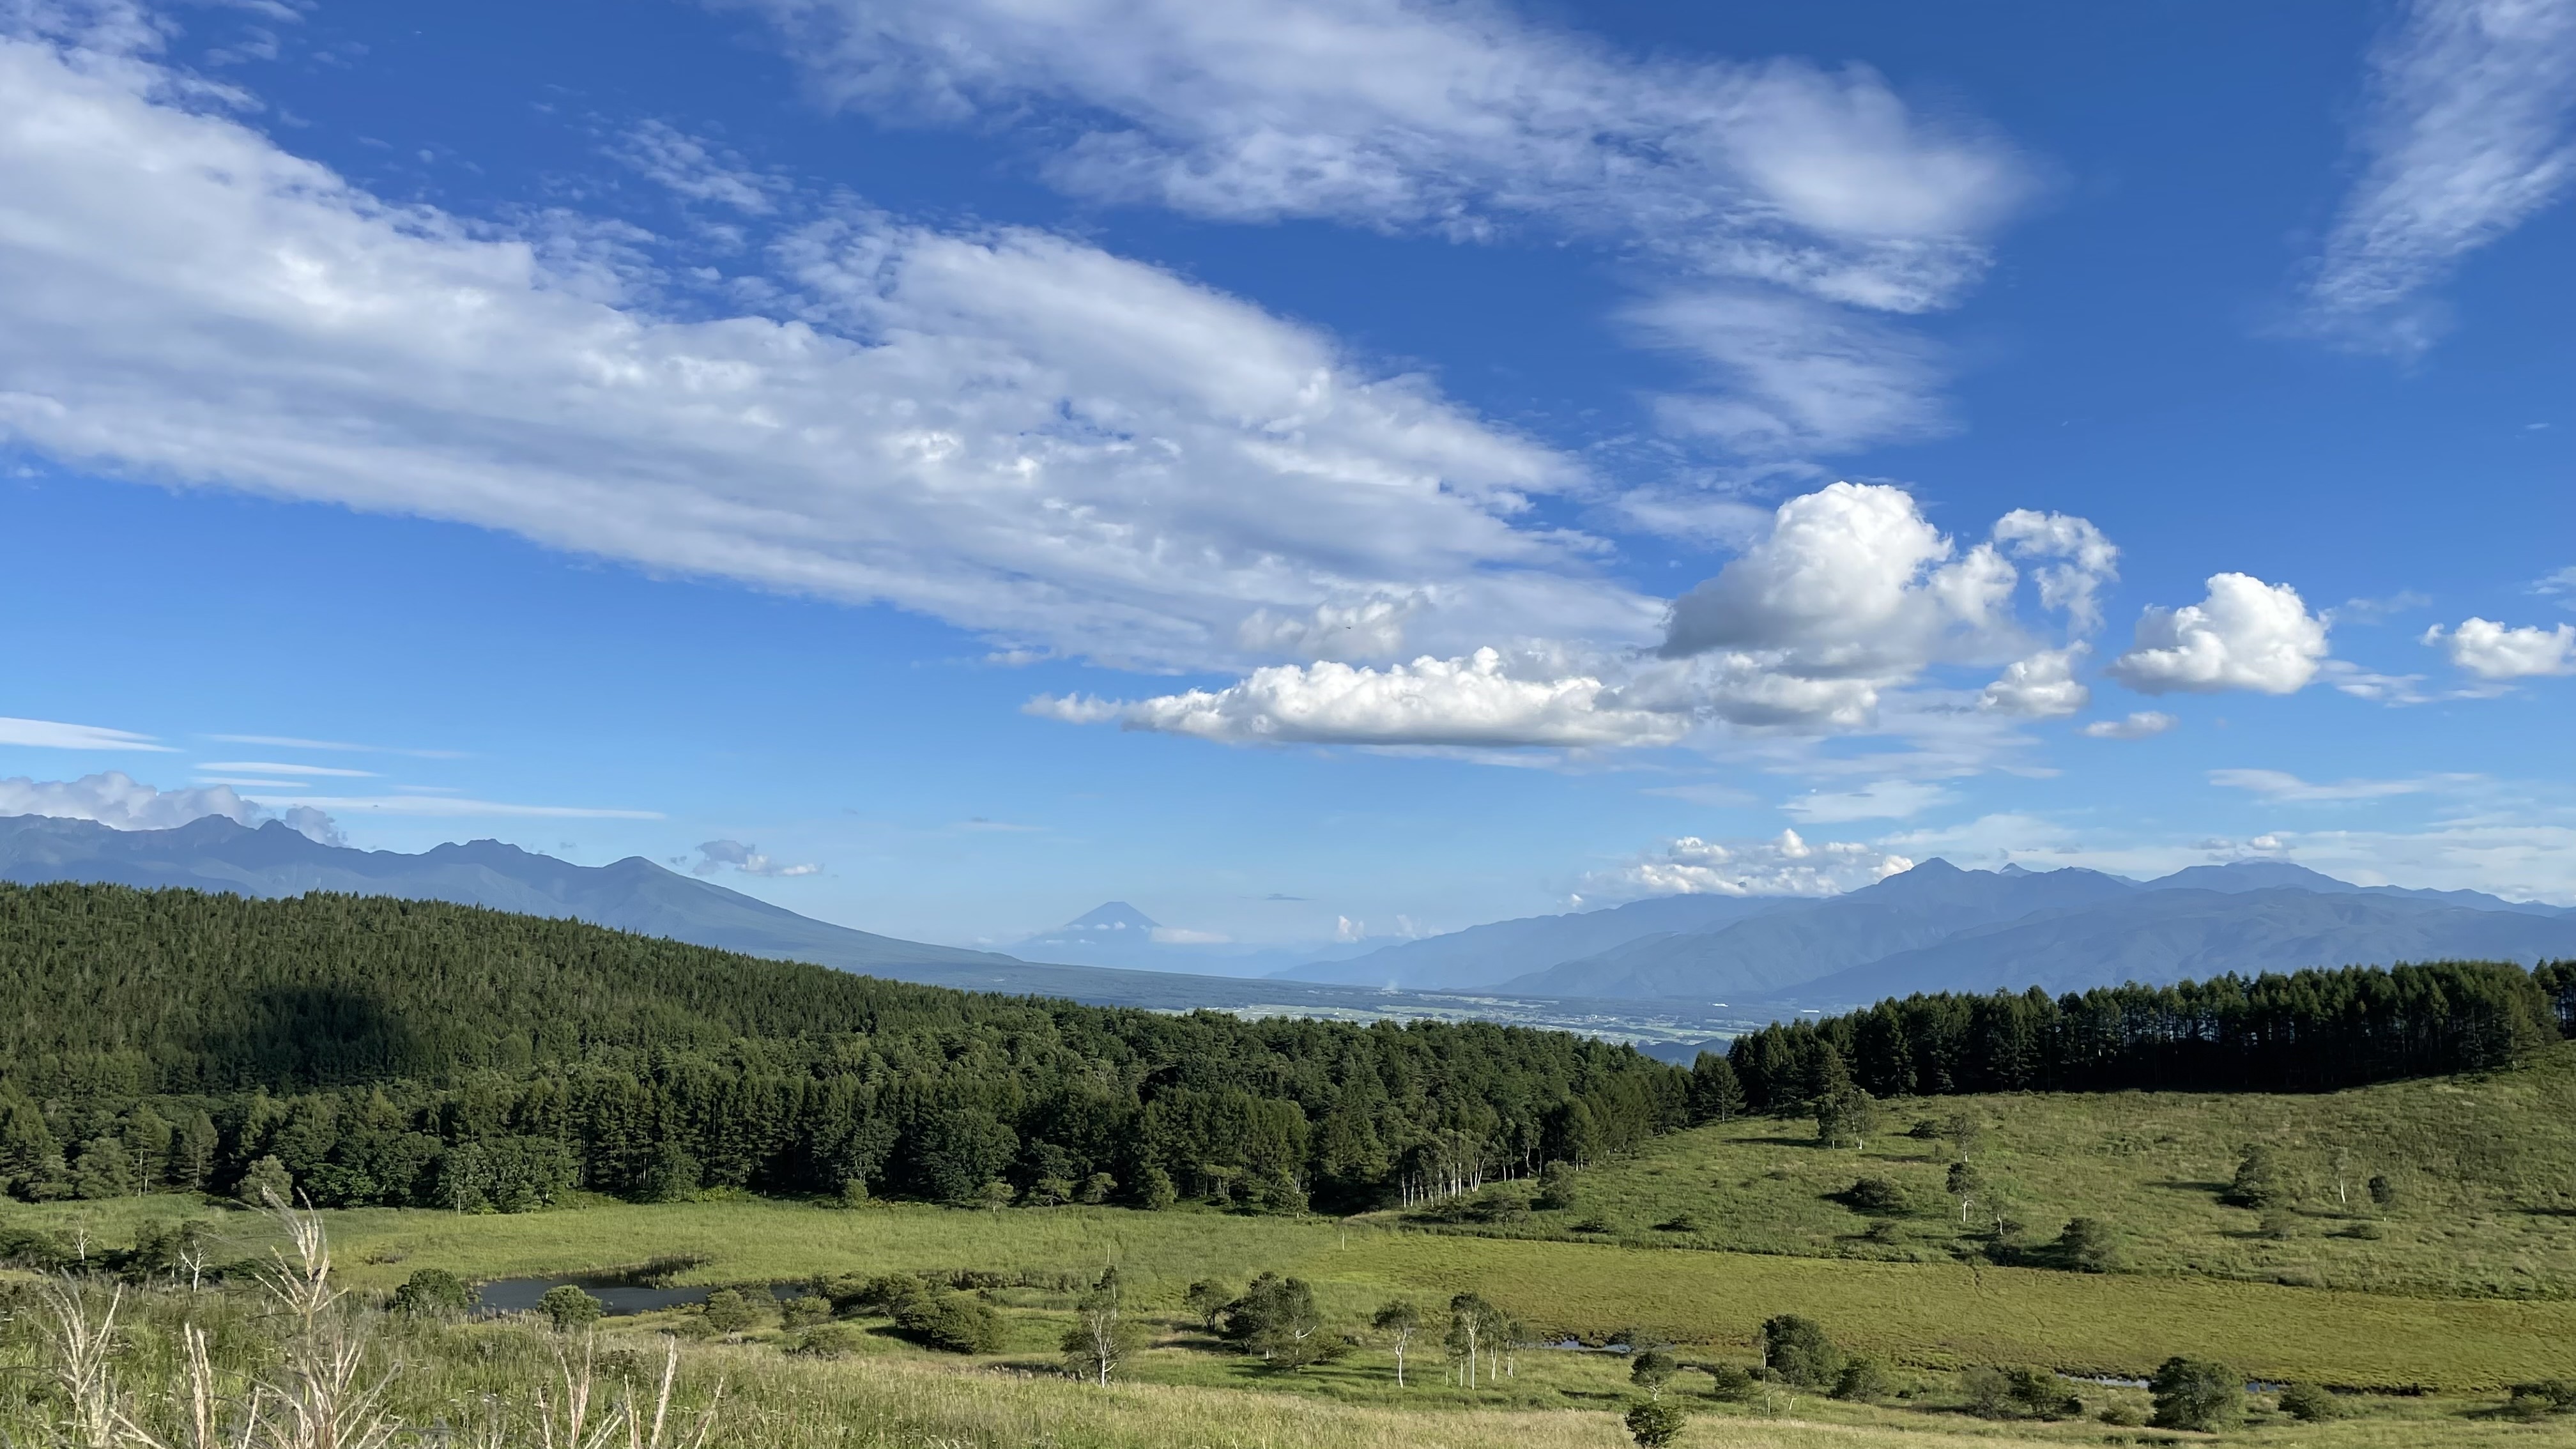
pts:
[715, 855]
[2561, 584]
[2042, 686]
[1786, 866]
[1369, 629]
[1182, 936]
[1007, 430]
[2082, 561]
[2141, 724]
[120, 802]
[2491, 651]
[690, 167]
[45, 734]
[1482, 700]
[2282, 786]
[2467, 136]
[292, 742]
[256, 767]
[1801, 377]
[1459, 118]
[448, 806]
[1878, 800]
[2246, 634]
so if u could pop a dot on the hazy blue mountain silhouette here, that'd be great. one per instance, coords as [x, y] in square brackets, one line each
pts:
[2162, 936]
[1938, 927]
[1484, 955]
[634, 894]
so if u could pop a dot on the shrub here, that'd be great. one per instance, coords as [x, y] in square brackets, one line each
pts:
[1988, 1392]
[1154, 1190]
[2194, 1393]
[729, 1313]
[2383, 1192]
[2013, 1393]
[2123, 1416]
[1654, 1424]
[2089, 1245]
[1734, 1384]
[1555, 1188]
[1652, 1370]
[824, 1340]
[1877, 1197]
[2542, 1399]
[1206, 1301]
[267, 1179]
[435, 1293]
[804, 1312]
[568, 1308]
[2366, 1232]
[1797, 1349]
[1096, 1189]
[2309, 1403]
[2278, 1223]
[2258, 1182]
[1862, 1380]
[1679, 1223]
[955, 1322]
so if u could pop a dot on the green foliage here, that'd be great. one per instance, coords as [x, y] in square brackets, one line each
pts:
[1207, 1300]
[1652, 1370]
[2259, 1182]
[2197, 1394]
[1862, 1380]
[568, 1308]
[2540, 1400]
[2305, 1032]
[1877, 1197]
[264, 1182]
[804, 1311]
[2383, 1192]
[2088, 1245]
[1276, 1319]
[1655, 1423]
[374, 1052]
[1732, 1383]
[953, 1321]
[1847, 1117]
[1556, 1188]
[2309, 1403]
[1715, 1094]
[434, 1293]
[1798, 1350]
[730, 1313]
[823, 1341]
[2020, 1392]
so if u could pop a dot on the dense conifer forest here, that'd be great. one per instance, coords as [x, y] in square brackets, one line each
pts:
[369, 1050]
[2310, 1031]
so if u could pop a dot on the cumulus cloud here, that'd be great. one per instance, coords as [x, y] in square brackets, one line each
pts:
[2141, 724]
[1008, 430]
[1462, 119]
[717, 855]
[2246, 634]
[1786, 866]
[2492, 651]
[121, 802]
[2043, 686]
[1849, 593]
[45, 734]
[1481, 700]
[2470, 131]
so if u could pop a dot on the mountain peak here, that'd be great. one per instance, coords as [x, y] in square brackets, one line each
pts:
[1112, 918]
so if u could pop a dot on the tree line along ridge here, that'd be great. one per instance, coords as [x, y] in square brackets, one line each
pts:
[378, 1051]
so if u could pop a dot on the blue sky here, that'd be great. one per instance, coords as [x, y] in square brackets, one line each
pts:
[1304, 469]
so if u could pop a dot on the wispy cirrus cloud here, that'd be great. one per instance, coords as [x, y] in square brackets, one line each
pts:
[2280, 785]
[46, 734]
[2469, 131]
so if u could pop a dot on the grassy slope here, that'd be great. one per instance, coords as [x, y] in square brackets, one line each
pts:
[1929, 1315]
[2485, 1167]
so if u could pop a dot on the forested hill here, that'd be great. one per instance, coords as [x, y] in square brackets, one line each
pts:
[378, 1050]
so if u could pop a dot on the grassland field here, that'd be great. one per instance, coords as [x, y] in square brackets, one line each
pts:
[2469, 1284]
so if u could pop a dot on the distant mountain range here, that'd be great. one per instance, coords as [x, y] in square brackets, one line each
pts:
[1933, 928]
[1940, 928]
[634, 894]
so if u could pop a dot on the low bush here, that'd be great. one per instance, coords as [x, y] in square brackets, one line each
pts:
[2194, 1393]
[1861, 1381]
[2541, 1400]
[568, 1308]
[824, 1340]
[2309, 1403]
[1878, 1198]
[1656, 1423]
[1799, 1351]
[1735, 1384]
[953, 1321]
[435, 1293]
